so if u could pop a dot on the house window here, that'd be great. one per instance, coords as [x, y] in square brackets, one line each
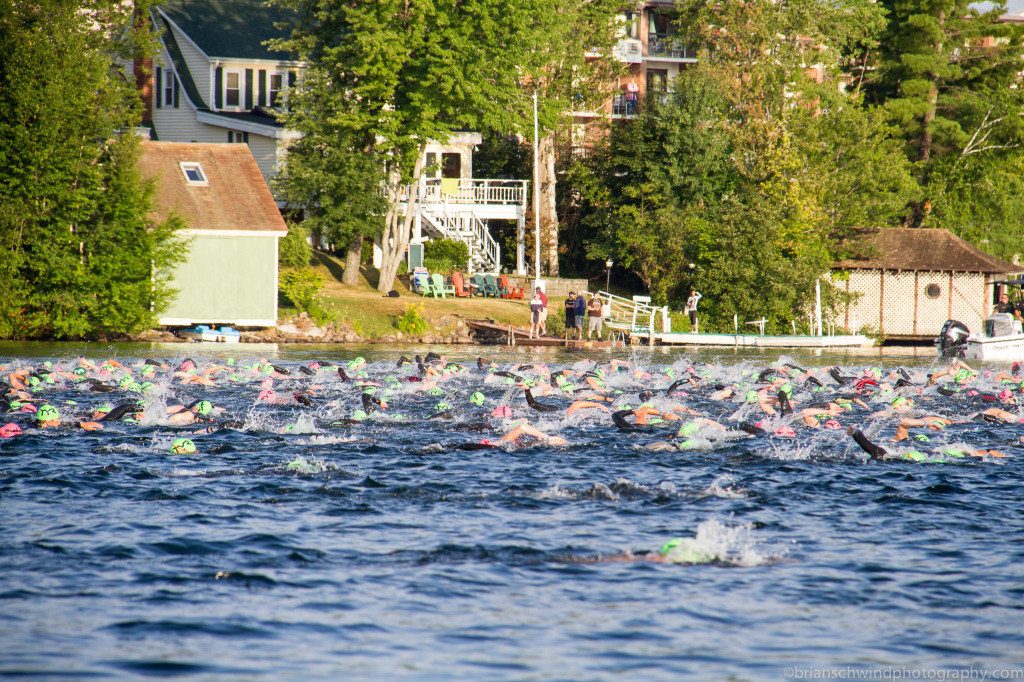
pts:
[276, 86]
[451, 165]
[631, 24]
[933, 291]
[431, 161]
[238, 137]
[232, 89]
[657, 80]
[193, 173]
[168, 88]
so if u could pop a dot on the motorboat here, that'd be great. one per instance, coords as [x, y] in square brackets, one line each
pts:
[202, 332]
[1002, 339]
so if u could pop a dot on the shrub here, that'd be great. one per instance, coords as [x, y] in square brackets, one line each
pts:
[300, 286]
[556, 320]
[447, 254]
[411, 322]
[295, 251]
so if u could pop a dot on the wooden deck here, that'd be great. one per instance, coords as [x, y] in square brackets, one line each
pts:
[781, 341]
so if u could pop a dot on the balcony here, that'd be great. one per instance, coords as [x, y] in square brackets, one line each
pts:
[629, 51]
[668, 46]
[624, 105]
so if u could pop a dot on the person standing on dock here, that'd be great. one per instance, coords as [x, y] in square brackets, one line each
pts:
[691, 309]
[536, 305]
[595, 310]
[581, 313]
[542, 330]
[570, 316]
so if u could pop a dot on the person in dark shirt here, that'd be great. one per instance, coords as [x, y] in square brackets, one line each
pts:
[1004, 306]
[570, 315]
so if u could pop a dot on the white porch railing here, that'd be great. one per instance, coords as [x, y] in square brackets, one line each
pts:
[473, 191]
[464, 226]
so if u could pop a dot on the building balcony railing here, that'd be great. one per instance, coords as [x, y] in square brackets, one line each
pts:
[624, 105]
[472, 191]
[668, 46]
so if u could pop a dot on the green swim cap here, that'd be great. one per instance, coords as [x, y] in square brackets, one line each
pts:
[689, 444]
[435, 391]
[125, 380]
[787, 388]
[369, 390]
[688, 429]
[148, 370]
[625, 407]
[508, 380]
[47, 364]
[953, 452]
[146, 385]
[442, 407]
[204, 407]
[921, 437]
[358, 416]
[183, 446]
[670, 545]
[49, 379]
[916, 456]
[134, 386]
[106, 407]
[751, 397]
[47, 413]
[899, 401]
[567, 387]
[32, 381]
[230, 362]
[268, 369]
[670, 373]
[78, 371]
[559, 380]
[477, 398]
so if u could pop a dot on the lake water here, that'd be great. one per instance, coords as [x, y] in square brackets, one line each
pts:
[291, 549]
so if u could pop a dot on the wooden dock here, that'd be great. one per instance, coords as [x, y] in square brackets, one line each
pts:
[755, 340]
[490, 332]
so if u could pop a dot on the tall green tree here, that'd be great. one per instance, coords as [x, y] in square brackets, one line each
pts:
[948, 74]
[77, 246]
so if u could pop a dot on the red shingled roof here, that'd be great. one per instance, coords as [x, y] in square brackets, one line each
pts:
[235, 198]
[903, 248]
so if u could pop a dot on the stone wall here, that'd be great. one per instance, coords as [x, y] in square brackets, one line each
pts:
[554, 287]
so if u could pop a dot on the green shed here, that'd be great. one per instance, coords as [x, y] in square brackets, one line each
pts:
[230, 276]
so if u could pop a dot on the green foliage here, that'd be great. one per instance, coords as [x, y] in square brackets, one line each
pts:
[947, 72]
[301, 286]
[411, 321]
[294, 250]
[445, 255]
[556, 322]
[79, 254]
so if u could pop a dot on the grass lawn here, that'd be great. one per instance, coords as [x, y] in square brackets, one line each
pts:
[372, 315]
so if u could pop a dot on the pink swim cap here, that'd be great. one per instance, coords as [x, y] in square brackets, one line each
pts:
[267, 383]
[267, 395]
[28, 407]
[10, 430]
[972, 392]
[1005, 394]
[314, 365]
[832, 424]
[502, 411]
[785, 431]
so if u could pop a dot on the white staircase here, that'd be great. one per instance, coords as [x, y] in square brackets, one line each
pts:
[462, 224]
[460, 208]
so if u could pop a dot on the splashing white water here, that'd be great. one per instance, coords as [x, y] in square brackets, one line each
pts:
[716, 541]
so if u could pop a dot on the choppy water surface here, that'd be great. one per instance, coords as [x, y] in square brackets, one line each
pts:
[301, 547]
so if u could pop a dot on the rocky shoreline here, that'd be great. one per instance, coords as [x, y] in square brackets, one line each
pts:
[305, 330]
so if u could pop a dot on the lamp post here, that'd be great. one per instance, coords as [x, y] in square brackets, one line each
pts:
[608, 280]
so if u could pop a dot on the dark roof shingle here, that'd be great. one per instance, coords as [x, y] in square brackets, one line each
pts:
[229, 29]
[903, 248]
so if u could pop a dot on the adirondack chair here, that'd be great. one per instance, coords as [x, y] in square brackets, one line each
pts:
[460, 287]
[490, 286]
[507, 290]
[440, 287]
[479, 285]
[423, 286]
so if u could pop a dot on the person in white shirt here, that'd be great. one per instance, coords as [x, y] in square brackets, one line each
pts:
[691, 309]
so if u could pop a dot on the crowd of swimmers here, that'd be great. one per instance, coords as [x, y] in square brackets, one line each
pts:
[889, 414]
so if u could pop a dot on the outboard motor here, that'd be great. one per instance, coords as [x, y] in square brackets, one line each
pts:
[952, 340]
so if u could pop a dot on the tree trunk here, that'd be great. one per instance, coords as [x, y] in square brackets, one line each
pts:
[548, 206]
[352, 261]
[398, 229]
[933, 98]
